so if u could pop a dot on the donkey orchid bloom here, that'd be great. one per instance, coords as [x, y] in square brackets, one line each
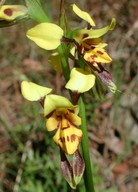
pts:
[62, 116]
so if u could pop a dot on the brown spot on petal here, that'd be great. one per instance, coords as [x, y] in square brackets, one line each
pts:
[100, 52]
[91, 58]
[8, 12]
[63, 139]
[73, 137]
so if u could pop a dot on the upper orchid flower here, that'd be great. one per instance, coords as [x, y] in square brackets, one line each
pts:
[60, 113]
[89, 40]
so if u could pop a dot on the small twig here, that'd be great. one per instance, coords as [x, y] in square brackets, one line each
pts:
[20, 170]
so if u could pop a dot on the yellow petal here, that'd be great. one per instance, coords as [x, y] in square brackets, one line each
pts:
[46, 35]
[11, 12]
[68, 139]
[80, 35]
[52, 122]
[98, 55]
[33, 92]
[80, 80]
[53, 102]
[83, 15]
[101, 45]
[74, 119]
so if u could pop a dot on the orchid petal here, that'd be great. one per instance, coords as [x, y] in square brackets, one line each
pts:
[33, 92]
[80, 80]
[68, 139]
[83, 15]
[80, 35]
[52, 122]
[46, 35]
[53, 102]
[98, 55]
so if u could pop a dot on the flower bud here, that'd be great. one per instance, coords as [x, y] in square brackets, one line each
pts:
[78, 167]
[106, 78]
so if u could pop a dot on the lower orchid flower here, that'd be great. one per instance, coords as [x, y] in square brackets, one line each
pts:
[60, 114]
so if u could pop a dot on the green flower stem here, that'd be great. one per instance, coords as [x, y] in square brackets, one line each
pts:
[64, 62]
[88, 176]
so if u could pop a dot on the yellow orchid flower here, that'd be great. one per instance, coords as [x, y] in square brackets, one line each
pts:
[46, 35]
[61, 115]
[12, 12]
[90, 43]
[80, 80]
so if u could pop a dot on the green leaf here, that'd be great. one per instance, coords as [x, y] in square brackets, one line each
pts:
[36, 11]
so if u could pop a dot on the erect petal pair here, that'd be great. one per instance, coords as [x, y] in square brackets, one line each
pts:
[60, 114]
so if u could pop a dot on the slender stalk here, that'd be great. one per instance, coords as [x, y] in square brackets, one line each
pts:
[88, 175]
[64, 62]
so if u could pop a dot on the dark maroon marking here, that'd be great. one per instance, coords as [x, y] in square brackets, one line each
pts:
[73, 137]
[92, 58]
[100, 52]
[62, 139]
[68, 138]
[8, 12]
[85, 35]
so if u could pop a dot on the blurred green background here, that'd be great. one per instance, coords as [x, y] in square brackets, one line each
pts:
[29, 160]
